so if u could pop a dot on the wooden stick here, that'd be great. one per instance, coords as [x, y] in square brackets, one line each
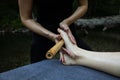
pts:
[52, 51]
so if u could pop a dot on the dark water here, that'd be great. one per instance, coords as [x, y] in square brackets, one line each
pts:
[14, 48]
[103, 41]
[104, 44]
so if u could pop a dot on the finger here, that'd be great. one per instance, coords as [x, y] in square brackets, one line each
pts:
[60, 31]
[64, 27]
[60, 56]
[65, 37]
[59, 37]
[71, 37]
[62, 59]
[69, 53]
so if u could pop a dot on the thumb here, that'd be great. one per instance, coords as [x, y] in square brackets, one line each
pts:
[71, 37]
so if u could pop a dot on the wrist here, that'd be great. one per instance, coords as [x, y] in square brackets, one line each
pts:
[52, 37]
[68, 21]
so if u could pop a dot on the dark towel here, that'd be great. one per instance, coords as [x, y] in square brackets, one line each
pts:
[54, 70]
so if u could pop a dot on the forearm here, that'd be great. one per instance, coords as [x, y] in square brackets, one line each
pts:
[25, 9]
[79, 12]
[39, 29]
[104, 61]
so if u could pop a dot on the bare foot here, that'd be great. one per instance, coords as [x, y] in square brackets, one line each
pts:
[68, 55]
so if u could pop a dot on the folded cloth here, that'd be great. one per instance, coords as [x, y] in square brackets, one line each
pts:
[54, 70]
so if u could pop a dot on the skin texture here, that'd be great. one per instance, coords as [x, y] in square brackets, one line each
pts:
[25, 8]
[108, 62]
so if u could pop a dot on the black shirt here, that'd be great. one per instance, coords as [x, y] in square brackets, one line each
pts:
[53, 11]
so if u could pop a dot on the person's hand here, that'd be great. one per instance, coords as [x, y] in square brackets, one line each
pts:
[57, 38]
[64, 26]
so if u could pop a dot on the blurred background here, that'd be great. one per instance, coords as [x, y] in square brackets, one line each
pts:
[99, 28]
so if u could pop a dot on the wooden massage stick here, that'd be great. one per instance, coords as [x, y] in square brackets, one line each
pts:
[52, 51]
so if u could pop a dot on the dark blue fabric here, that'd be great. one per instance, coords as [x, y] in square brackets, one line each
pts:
[54, 70]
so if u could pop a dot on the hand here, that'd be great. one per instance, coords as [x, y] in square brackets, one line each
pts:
[57, 38]
[64, 26]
